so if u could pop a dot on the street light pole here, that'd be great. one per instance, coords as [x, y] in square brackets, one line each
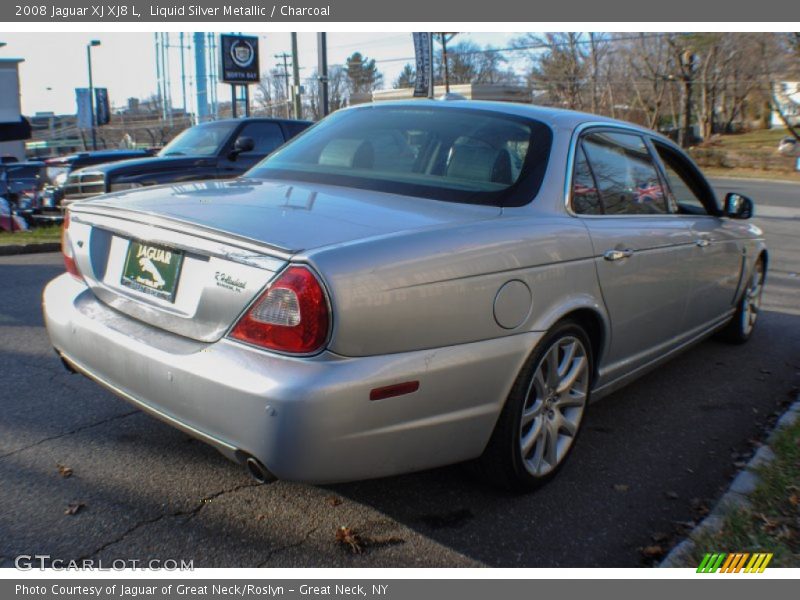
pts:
[322, 71]
[89, 47]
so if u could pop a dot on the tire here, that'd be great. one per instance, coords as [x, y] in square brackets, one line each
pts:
[743, 323]
[540, 422]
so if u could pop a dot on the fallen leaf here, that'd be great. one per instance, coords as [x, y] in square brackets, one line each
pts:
[769, 524]
[261, 517]
[349, 538]
[64, 471]
[73, 508]
[333, 500]
[621, 487]
[653, 551]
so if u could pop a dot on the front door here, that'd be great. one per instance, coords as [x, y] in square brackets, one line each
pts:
[717, 259]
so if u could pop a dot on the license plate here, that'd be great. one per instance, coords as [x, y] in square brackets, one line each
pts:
[152, 270]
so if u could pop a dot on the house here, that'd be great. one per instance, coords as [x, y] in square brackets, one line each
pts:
[787, 96]
[14, 129]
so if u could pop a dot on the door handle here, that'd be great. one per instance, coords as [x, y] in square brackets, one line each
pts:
[618, 254]
[702, 243]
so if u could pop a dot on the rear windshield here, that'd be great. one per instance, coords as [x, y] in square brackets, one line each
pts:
[443, 153]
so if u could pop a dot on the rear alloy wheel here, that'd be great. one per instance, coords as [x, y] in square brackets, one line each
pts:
[543, 413]
[743, 323]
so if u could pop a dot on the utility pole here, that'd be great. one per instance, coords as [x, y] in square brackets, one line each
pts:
[444, 38]
[431, 82]
[285, 66]
[298, 104]
[687, 72]
[183, 76]
[322, 68]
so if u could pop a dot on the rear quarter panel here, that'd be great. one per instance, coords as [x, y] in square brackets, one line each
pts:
[436, 288]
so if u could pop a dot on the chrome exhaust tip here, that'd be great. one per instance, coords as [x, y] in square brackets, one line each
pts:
[258, 471]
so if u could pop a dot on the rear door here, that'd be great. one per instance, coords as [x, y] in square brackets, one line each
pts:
[641, 250]
[266, 136]
[717, 259]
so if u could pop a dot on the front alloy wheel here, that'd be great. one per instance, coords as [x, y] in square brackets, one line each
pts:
[743, 323]
[751, 303]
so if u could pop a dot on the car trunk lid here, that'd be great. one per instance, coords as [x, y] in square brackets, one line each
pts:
[190, 258]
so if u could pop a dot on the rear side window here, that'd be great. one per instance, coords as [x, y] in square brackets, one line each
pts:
[624, 175]
[585, 198]
[266, 136]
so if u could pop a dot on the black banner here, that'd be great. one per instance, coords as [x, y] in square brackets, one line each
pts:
[102, 110]
[423, 43]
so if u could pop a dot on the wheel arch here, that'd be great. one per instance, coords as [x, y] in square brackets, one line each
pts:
[596, 328]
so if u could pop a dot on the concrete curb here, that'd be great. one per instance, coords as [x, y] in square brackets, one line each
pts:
[11, 249]
[737, 496]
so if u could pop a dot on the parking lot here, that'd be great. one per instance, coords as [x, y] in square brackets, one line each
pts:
[651, 458]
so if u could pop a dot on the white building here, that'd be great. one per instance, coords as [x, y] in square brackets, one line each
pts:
[14, 130]
[787, 94]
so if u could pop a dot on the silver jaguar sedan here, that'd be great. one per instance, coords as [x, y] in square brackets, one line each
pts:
[407, 285]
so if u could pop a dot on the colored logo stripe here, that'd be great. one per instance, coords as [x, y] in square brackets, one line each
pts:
[734, 563]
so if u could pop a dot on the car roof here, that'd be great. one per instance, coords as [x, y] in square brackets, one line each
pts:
[557, 117]
[256, 119]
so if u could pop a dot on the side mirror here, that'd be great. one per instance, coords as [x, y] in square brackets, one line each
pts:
[738, 206]
[242, 144]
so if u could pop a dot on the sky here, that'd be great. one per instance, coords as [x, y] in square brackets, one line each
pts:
[55, 63]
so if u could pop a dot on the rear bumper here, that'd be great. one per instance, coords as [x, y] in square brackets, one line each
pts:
[307, 419]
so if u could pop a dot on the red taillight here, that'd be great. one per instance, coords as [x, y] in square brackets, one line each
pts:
[292, 315]
[66, 251]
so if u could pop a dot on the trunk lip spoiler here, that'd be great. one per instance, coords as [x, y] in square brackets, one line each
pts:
[183, 226]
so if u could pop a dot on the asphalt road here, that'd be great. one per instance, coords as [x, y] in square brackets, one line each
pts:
[650, 458]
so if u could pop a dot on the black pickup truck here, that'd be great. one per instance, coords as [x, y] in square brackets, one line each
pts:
[214, 150]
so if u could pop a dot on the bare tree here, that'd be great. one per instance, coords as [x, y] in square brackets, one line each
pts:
[559, 66]
[270, 95]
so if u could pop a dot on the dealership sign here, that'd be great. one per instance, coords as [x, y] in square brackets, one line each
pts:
[239, 59]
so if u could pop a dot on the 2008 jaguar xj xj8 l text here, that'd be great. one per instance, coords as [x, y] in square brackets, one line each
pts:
[407, 285]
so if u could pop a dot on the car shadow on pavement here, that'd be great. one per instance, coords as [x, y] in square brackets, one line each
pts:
[650, 459]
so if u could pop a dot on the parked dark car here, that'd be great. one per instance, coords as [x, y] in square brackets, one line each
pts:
[215, 150]
[59, 168]
[21, 186]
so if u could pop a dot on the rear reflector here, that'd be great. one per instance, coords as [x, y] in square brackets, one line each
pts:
[397, 389]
